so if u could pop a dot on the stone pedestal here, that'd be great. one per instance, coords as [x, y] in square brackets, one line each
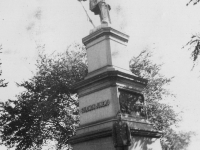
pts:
[99, 95]
[106, 51]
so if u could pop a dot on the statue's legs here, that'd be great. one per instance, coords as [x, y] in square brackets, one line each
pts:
[104, 14]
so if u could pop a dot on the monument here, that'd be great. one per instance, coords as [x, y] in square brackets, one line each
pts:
[111, 103]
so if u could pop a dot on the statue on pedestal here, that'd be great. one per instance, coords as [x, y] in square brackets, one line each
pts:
[121, 134]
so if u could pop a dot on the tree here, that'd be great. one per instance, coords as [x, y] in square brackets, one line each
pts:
[47, 110]
[158, 111]
[2, 83]
[177, 140]
[194, 45]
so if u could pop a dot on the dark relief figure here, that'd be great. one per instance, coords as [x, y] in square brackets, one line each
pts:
[121, 134]
[99, 7]
[131, 103]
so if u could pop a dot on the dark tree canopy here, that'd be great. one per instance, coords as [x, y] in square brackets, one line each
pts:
[47, 109]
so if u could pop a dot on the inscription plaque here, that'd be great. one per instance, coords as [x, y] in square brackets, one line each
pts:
[95, 106]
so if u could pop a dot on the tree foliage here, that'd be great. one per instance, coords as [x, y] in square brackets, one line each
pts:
[194, 43]
[47, 109]
[158, 112]
[161, 114]
[176, 140]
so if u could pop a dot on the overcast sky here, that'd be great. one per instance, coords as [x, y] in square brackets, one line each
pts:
[163, 27]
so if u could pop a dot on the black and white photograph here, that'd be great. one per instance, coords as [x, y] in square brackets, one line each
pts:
[99, 75]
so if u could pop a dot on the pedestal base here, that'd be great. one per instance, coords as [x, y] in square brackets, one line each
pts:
[106, 143]
[93, 137]
[97, 144]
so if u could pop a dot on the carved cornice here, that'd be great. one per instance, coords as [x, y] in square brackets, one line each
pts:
[112, 76]
[106, 132]
[146, 133]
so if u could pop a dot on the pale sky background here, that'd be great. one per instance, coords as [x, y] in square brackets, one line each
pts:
[163, 26]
